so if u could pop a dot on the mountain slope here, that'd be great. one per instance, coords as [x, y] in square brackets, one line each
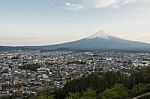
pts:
[102, 40]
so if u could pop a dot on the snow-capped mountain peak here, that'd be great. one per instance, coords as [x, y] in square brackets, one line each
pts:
[100, 34]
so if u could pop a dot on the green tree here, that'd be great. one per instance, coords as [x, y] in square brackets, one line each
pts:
[45, 94]
[97, 81]
[139, 76]
[45, 97]
[75, 95]
[146, 74]
[31, 67]
[118, 91]
[86, 94]
[139, 89]
[89, 94]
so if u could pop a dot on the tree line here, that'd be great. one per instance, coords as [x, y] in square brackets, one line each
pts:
[104, 85]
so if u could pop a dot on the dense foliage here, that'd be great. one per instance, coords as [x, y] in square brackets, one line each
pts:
[97, 81]
[109, 85]
[104, 85]
[31, 67]
[118, 91]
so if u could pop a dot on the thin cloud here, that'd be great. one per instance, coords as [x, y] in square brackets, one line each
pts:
[97, 4]
[73, 6]
[100, 3]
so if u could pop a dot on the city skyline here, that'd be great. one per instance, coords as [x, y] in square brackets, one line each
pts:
[42, 22]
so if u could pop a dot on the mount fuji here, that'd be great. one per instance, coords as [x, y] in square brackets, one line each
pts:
[100, 40]
[101, 35]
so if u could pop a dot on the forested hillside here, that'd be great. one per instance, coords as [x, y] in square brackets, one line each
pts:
[103, 85]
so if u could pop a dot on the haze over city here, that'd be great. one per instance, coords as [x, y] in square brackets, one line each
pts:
[42, 22]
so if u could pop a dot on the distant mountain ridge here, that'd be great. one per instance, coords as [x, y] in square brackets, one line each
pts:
[100, 40]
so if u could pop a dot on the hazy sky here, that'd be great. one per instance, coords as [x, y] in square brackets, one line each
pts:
[40, 22]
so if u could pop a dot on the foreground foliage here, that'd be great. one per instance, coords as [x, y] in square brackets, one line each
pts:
[104, 85]
[118, 91]
[108, 85]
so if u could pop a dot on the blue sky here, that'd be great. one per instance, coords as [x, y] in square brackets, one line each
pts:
[40, 22]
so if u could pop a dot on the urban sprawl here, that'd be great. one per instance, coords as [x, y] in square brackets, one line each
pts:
[31, 71]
